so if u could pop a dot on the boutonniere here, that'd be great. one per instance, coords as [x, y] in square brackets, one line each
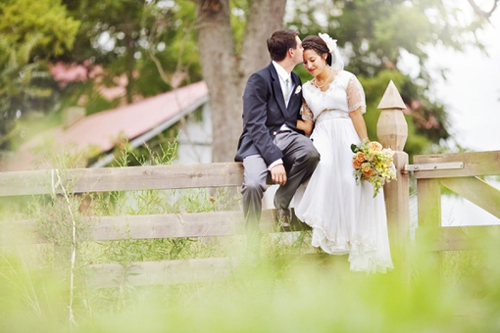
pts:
[298, 89]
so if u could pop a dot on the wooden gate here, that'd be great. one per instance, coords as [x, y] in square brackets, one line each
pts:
[461, 174]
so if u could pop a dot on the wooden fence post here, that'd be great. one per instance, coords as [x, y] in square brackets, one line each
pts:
[392, 132]
[429, 220]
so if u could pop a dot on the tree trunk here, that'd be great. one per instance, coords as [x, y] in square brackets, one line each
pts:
[265, 17]
[226, 73]
[130, 65]
[218, 61]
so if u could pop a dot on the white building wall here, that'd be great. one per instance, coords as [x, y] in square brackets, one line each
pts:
[195, 146]
[195, 139]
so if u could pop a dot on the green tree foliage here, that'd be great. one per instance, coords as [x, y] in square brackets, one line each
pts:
[375, 35]
[149, 41]
[31, 31]
[153, 42]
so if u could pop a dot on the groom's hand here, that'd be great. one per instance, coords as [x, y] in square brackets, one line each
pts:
[278, 174]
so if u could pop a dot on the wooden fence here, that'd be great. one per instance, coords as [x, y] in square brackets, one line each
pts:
[105, 228]
[459, 173]
[430, 172]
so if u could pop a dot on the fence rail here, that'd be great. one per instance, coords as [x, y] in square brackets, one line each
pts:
[105, 228]
[17, 183]
[475, 164]
[160, 272]
[465, 183]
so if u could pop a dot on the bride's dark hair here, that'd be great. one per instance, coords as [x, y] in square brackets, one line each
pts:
[317, 44]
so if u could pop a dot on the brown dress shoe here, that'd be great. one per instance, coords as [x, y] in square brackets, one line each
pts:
[283, 218]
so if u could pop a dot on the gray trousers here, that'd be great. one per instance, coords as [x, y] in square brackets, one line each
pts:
[300, 158]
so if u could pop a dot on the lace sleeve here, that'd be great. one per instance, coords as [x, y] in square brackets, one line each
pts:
[306, 112]
[355, 95]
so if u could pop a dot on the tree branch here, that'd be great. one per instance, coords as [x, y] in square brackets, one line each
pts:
[482, 13]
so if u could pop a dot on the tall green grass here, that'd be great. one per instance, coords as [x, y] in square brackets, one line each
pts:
[286, 292]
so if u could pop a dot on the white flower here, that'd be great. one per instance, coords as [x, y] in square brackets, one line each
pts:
[330, 42]
[298, 89]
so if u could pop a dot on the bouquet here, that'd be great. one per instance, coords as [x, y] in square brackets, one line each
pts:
[373, 163]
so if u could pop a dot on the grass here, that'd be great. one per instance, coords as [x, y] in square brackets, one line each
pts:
[287, 292]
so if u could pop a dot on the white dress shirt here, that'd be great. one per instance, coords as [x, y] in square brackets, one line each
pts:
[283, 76]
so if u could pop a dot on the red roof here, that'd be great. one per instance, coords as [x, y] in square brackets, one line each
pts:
[101, 128]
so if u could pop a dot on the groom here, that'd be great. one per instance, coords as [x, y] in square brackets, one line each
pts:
[270, 144]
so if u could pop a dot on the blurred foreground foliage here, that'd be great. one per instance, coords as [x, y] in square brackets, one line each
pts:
[288, 291]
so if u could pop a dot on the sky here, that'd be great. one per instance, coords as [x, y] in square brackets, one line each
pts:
[472, 89]
[472, 96]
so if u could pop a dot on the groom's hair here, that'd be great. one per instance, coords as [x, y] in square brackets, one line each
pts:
[317, 44]
[279, 43]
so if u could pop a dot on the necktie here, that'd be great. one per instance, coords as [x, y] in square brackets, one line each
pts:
[287, 90]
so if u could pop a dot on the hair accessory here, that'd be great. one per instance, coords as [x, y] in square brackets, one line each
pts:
[337, 62]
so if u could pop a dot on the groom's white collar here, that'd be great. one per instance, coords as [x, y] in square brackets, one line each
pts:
[282, 73]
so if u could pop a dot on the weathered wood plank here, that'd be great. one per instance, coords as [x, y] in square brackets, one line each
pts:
[14, 183]
[475, 164]
[397, 203]
[458, 238]
[476, 191]
[159, 272]
[17, 183]
[429, 203]
[225, 223]
[177, 225]
[397, 197]
[429, 215]
[204, 270]
[20, 232]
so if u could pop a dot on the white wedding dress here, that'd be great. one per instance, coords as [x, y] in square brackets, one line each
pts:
[344, 216]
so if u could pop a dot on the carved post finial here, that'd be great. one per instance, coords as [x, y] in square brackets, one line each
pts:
[392, 129]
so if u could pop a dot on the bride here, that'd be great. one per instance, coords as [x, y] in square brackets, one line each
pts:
[344, 216]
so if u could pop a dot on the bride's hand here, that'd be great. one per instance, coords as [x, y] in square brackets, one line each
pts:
[305, 126]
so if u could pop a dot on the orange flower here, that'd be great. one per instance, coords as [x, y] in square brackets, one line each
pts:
[356, 164]
[375, 145]
[368, 173]
[360, 156]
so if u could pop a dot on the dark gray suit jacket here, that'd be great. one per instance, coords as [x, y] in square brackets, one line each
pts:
[264, 111]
